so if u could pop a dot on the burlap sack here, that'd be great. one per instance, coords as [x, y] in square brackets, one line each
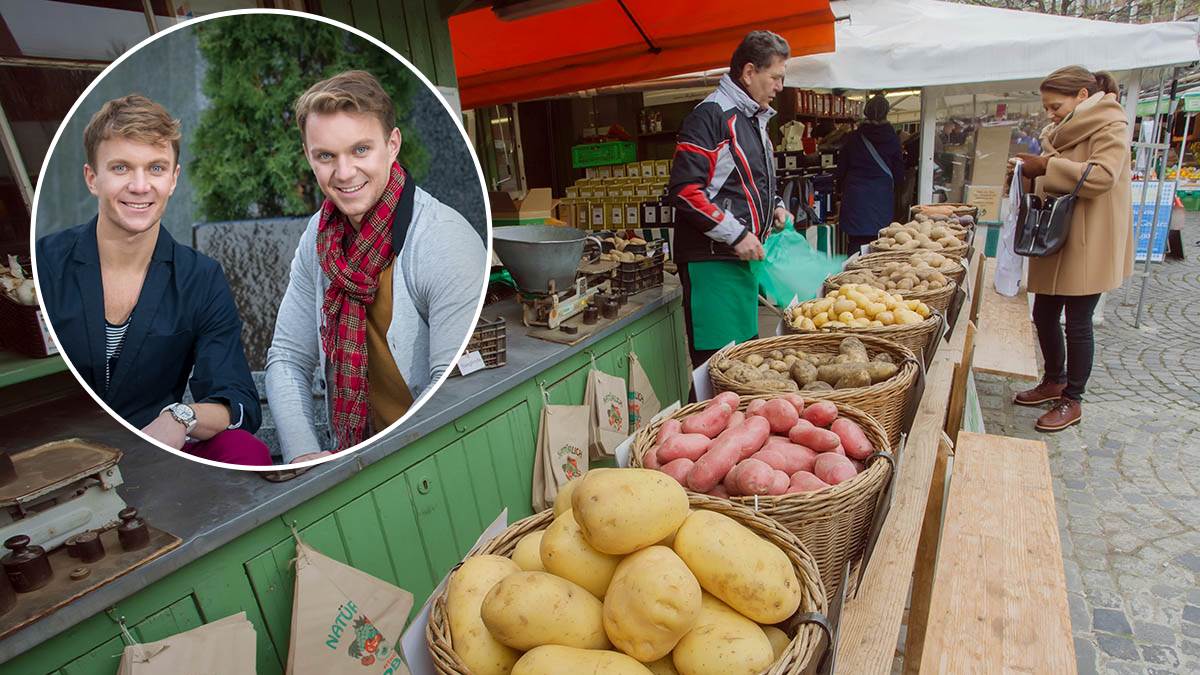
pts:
[223, 647]
[344, 620]
[562, 450]
[643, 402]
[607, 398]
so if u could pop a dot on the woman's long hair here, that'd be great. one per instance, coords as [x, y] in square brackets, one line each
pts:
[1069, 80]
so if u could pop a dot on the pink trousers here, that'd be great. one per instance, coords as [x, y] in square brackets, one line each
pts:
[234, 446]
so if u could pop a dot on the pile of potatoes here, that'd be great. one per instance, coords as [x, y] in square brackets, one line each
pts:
[919, 234]
[791, 370]
[777, 446]
[898, 276]
[626, 580]
[618, 252]
[857, 306]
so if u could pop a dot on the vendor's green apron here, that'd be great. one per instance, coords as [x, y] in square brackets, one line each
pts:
[723, 303]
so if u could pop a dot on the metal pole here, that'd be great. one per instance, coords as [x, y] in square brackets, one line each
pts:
[9, 142]
[928, 129]
[148, 10]
[1162, 82]
[1166, 142]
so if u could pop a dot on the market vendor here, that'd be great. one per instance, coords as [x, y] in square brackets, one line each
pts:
[140, 316]
[385, 283]
[723, 182]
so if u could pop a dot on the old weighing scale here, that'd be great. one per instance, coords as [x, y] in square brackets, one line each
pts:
[563, 297]
[65, 529]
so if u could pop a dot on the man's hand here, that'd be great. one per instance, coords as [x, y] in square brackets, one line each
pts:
[749, 248]
[167, 430]
[1032, 166]
[310, 456]
[781, 218]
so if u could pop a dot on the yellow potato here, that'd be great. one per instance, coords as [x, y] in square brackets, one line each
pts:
[467, 588]
[845, 317]
[844, 306]
[563, 501]
[663, 666]
[559, 660]
[652, 602]
[530, 609]
[528, 554]
[723, 643]
[820, 319]
[744, 570]
[565, 553]
[623, 510]
[779, 640]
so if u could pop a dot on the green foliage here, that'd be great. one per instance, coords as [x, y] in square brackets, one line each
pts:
[247, 161]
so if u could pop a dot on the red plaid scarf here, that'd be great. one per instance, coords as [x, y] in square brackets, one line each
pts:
[354, 279]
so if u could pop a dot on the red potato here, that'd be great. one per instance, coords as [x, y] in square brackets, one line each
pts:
[691, 446]
[718, 491]
[729, 398]
[735, 420]
[781, 414]
[805, 481]
[821, 413]
[785, 456]
[854, 439]
[725, 452]
[729, 484]
[650, 459]
[839, 450]
[754, 477]
[781, 483]
[668, 429]
[710, 421]
[679, 469]
[859, 466]
[755, 407]
[833, 468]
[797, 402]
[821, 440]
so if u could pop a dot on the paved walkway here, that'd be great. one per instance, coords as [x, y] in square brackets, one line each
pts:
[1127, 479]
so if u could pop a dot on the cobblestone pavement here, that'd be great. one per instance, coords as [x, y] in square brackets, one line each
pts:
[1126, 480]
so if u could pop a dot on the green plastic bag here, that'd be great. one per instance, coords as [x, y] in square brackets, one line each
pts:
[792, 269]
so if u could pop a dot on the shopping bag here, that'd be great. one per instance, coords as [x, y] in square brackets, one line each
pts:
[343, 619]
[607, 398]
[562, 450]
[643, 402]
[225, 646]
[792, 269]
[1010, 267]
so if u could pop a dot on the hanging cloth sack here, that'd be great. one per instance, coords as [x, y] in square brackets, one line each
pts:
[643, 402]
[224, 647]
[607, 398]
[562, 453]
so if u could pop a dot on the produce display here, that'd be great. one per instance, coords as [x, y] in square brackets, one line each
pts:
[857, 306]
[777, 446]
[897, 276]
[805, 372]
[919, 234]
[691, 591]
[13, 283]
[618, 252]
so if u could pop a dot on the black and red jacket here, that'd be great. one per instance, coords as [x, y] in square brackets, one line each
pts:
[723, 177]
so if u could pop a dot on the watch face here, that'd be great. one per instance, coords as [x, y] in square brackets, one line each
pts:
[185, 412]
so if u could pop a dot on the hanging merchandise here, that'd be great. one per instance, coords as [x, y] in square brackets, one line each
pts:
[1010, 266]
[561, 453]
[343, 619]
[607, 399]
[223, 646]
[643, 402]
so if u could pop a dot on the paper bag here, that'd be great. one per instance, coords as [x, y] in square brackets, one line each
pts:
[1010, 267]
[643, 402]
[561, 451]
[225, 646]
[344, 620]
[608, 425]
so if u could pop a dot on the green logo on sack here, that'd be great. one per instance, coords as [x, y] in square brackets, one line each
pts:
[569, 456]
[368, 644]
[635, 409]
[614, 410]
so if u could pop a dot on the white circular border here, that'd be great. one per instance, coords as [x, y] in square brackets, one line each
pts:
[425, 396]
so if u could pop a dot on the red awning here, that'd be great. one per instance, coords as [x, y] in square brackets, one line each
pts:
[597, 44]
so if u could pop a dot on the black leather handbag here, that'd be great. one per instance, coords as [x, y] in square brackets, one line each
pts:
[1043, 224]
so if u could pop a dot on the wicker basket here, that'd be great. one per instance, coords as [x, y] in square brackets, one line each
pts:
[833, 523]
[886, 402]
[801, 651]
[916, 336]
[957, 272]
[938, 299]
[958, 252]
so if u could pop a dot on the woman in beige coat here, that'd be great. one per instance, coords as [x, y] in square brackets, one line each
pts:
[1089, 128]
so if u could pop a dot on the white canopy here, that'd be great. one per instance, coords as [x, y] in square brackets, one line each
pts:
[888, 44]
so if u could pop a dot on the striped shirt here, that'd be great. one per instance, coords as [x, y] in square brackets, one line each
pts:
[114, 339]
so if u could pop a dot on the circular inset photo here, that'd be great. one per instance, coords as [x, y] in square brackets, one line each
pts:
[260, 239]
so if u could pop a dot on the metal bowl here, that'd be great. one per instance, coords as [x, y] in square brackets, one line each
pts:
[535, 255]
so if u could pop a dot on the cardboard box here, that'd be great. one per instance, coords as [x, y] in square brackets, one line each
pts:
[572, 192]
[604, 172]
[590, 172]
[649, 214]
[987, 198]
[991, 155]
[618, 170]
[633, 170]
[535, 209]
[647, 168]
[662, 168]
[632, 214]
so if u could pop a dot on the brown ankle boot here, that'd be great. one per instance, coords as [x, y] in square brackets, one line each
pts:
[1046, 391]
[1064, 413]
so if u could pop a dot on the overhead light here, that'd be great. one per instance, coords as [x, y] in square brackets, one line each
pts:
[514, 10]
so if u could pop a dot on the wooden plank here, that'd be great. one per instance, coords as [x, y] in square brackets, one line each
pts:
[958, 387]
[102, 660]
[976, 284]
[366, 17]
[420, 49]
[460, 503]
[439, 38]
[927, 548]
[362, 531]
[222, 595]
[409, 561]
[429, 501]
[1005, 344]
[395, 28]
[999, 597]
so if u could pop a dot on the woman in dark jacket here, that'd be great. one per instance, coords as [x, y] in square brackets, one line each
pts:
[870, 167]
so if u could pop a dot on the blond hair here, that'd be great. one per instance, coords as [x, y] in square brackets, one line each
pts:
[354, 91]
[134, 117]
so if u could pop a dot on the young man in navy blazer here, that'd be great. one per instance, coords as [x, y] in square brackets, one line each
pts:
[140, 316]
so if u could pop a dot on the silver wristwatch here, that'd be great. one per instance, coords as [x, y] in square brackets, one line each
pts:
[183, 414]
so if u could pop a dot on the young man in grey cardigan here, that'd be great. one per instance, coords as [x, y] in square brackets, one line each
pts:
[385, 283]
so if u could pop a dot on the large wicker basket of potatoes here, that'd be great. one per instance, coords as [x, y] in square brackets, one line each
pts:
[924, 234]
[630, 574]
[863, 310]
[870, 373]
[914, 282]
[952, 268]
[816, 466]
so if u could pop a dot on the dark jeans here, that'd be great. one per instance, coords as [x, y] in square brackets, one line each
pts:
[1072, 364]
